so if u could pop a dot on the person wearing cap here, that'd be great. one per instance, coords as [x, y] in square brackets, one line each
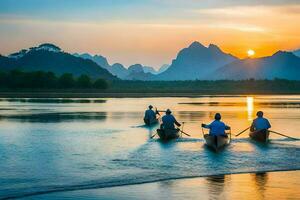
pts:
[150, 116]
[169, 121]
[260, 122]
[217, 127]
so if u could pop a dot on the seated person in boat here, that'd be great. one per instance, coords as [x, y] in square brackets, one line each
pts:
[260, 123]
[169, 121]
[217, 127]
[150, 115]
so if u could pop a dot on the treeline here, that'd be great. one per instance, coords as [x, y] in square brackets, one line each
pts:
[48, 80]
[208, 87]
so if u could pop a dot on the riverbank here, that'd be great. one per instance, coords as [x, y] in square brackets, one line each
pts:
[161, 89]
[95, 94]
[264, 185]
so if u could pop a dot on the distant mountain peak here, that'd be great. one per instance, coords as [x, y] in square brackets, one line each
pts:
[214, 47]
[48, 47]
[282, 53]
[45, 47]
[196, 44]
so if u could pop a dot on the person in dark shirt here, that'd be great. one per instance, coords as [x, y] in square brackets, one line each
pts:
[260, 123]
[169, 121]
[150, 116]
[217, 127]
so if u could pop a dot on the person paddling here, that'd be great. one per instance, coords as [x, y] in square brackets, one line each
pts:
[150, 116]
[169, 121]
[217, 127]
[260, 123]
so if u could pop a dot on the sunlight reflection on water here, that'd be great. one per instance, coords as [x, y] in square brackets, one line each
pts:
[103, 143]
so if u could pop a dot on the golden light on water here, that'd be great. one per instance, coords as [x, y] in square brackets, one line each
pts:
[250, 107]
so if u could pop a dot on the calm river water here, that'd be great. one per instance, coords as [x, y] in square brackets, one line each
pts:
[50, 147]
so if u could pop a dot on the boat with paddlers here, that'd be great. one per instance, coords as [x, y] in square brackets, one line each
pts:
[216, 142]
[260, 135]
[168, 134]
[217, 137]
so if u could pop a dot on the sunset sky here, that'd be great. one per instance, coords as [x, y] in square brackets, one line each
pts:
[150, 32]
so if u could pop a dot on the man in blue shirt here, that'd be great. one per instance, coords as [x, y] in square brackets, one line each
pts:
[217, 127]
[169, 120]
[260, 123]
[150, 116]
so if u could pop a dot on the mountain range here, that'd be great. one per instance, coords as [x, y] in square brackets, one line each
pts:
[297, 52]
[133, 72]
[195, 62]
[48, 57]
[281, 64]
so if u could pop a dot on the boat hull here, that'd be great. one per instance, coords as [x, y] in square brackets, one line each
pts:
[260, 136]
[150, 122]
[216, 142]
[168, 134]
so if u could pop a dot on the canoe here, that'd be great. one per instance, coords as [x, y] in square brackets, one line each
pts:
[150, 122]
[216, 142]
[168, 134]
[260, 135]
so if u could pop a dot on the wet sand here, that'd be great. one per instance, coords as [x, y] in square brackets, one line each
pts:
[265, 185]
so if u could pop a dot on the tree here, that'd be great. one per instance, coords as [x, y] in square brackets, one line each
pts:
[100, 84]
[84, 81]
[66, 81]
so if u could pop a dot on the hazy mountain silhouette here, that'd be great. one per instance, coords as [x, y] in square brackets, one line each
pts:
[196, 62]
[118, 69]
[148, 69]
[284, 65]
[297, 52]
[48, 57]
[163, 68]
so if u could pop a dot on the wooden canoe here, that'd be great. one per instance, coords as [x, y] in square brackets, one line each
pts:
[260, 135]
[168, 134]
[150, 122]
[216, 142]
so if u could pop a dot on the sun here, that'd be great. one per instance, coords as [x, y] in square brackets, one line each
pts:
[250, 52]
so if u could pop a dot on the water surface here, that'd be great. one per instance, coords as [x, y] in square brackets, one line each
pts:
[51, 145]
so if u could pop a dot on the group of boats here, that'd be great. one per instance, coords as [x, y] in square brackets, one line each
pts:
[214, 142]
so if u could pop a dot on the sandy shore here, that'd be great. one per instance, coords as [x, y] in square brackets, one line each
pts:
[269, 185]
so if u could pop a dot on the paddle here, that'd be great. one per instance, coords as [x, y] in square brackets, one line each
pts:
[153, 136]
[185, 133]
[242, 132]
[283, 135]
[157, 112]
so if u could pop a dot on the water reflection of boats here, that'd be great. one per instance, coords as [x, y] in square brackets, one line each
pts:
[260, 135]
[261, 180]
[216, 186]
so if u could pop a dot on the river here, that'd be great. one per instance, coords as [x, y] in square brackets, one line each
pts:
[53, 146]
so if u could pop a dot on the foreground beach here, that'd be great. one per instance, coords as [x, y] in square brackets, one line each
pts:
[264, 185]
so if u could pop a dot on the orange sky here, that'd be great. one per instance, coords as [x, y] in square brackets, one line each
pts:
[155, 39]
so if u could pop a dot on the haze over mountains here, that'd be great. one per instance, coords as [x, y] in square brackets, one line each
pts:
[297, 52]
[280, 65]
[136, 71]
[196, 62]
